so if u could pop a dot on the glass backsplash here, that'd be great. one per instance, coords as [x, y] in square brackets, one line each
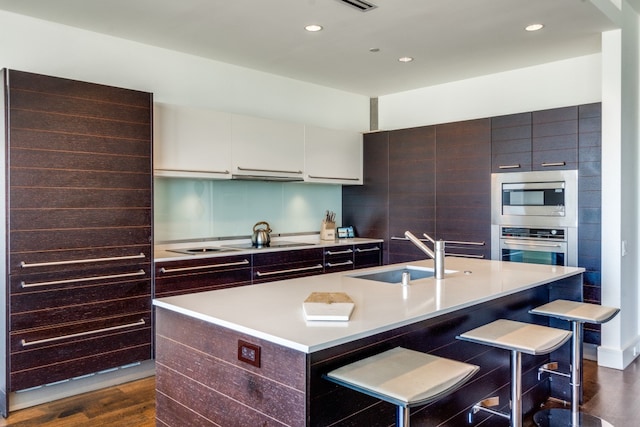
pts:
[187, 209]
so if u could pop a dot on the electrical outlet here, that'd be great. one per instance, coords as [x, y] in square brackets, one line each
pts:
[249, 353]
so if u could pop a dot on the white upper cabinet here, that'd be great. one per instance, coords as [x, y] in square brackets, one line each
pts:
[190, 142]
[332, 156]
[264, 148]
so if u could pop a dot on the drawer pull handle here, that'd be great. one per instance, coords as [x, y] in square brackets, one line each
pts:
[292, 270]
[202, 267]
[140, 322]
[516, 166]
[550, 164]
[80, 261]
[377, 248]
[339, 264]
[81, 279]
[268, 170]
[334, 177]
[348, 251]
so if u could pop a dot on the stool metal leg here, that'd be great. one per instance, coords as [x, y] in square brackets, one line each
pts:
[402, 416]
[557, 417]
[516, 389]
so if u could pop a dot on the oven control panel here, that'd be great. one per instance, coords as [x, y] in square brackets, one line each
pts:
[533, 233]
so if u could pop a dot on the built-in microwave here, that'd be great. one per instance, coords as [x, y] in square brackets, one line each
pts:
[546, 198]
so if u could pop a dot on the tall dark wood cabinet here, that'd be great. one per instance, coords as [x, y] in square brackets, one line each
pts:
[79, 240]
[463, 187]
[412, 198]
[366, 206]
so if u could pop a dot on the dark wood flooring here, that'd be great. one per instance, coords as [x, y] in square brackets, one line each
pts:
[609, 393]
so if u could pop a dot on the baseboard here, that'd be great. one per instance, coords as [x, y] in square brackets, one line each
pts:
[618, 358]
[50, 392]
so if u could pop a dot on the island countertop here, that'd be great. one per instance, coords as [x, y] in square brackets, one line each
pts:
[273, 311]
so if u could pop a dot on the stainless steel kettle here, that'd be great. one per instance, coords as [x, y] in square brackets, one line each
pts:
[260, 236]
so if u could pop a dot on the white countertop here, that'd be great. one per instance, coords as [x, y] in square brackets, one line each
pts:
[273, 311]
[163, 252]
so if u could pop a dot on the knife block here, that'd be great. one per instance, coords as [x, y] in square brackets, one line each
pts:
[327, 230]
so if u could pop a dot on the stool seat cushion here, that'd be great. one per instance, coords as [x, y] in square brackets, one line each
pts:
[523, 337]
[404, 377]
[576, 311]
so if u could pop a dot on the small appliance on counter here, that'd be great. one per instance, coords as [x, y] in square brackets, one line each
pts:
[261, 236]
[328, 226]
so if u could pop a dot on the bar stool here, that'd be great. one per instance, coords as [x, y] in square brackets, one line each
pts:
[577, 313]
[406, 378]
[518, 338]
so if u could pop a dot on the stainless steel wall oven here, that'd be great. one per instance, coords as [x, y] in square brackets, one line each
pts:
[534, 217]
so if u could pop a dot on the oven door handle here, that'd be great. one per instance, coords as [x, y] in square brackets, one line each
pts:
[542, 245]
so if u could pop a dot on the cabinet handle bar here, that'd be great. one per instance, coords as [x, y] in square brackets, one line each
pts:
[81, 279]
[24, 343]
[550, 164]
[339, 264]
[201, 267]
[80, 261]
[292, 270]
[516, 166]
[267, 170]
[377, 248]
[224, 172]
[348, 251]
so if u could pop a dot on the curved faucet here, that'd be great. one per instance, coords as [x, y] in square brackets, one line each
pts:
[437, 254]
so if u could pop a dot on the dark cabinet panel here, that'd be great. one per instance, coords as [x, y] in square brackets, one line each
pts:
[197, 275]
[366, 206]
[411, 189]
[511, 143]
[338, 258]
[367, 255]
[463, 187]
[80, 237]
[282, 265]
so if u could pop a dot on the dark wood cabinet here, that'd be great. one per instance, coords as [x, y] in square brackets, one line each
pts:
[535, 141]
[463, 188]
[412, 201]
[198, 275]
[79, 215]
[281, 265]
[338, 258]
[367, 255]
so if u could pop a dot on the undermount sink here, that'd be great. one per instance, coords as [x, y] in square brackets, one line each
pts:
[395, 276]
[201, 250]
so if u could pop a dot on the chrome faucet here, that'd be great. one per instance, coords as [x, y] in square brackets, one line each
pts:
[437, 254]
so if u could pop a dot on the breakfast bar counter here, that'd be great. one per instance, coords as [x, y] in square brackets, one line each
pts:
[247, 356]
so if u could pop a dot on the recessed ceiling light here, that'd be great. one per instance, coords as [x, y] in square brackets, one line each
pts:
[405, 59]
[534, 27]
[374, 49]
[313, 28]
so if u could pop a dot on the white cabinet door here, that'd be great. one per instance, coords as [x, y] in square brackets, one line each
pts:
[191, 142]
[332, 156]
[267, 148]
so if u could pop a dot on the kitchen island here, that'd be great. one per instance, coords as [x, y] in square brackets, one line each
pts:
[247, 356]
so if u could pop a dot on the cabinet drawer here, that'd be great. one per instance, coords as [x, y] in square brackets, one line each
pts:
[54, 354]
[287, 264]
[338, 258]
[181, 277]
[368, 255]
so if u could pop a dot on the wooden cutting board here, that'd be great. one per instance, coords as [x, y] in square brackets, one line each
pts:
[328, 306]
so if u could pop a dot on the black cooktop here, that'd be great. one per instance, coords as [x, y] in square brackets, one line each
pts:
[278, 244]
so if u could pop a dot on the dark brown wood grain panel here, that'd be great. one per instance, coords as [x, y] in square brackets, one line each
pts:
[58, 219]
[205, 402]
[47, 374]
[368, 255]
[222, 343]
[91, 198]
[338, 258]
[78, 89]
[81, 107]
[85, 312]
[282, 265]
[49, 240]
[199, 280]
[66, 161]
[258, 392]
[170, 412]
[48, 141]
[27, 358]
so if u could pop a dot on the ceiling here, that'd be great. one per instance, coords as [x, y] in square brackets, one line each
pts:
[448, 39]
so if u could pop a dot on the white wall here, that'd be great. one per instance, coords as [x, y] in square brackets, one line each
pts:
[38, 46]
[570, 82]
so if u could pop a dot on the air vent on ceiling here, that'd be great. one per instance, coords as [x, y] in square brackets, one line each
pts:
[359, 4]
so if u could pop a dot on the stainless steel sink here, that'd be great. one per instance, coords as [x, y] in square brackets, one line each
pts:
[395, 276]
[202, 250]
